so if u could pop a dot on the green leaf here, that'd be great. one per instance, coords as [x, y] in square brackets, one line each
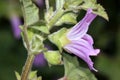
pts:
[101, 12]
[69, 4]
[32, 74]
[48, 14]
[17, 75]
[68, 18]
[56, 38]
[69, 63]
[35, 42]
[54, 18]
[41, 28]
[75, 72]
[30, 12]
[97, 8]
[53, 57]
[59, 4]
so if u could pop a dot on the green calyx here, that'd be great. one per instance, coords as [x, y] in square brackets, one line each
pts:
[35, 42]
[59, 38]
[53, 57]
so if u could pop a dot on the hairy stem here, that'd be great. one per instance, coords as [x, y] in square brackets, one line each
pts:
[47, 4]
[55, 18]
[27, 67]
[30, 57]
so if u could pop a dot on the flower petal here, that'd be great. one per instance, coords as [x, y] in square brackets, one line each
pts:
[80, 53]
[15, 22]
[88, 38]
[76, 51]
[39, 60]
[81, 43]
[80, 29]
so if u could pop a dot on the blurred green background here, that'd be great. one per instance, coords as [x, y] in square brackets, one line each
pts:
[106, 36]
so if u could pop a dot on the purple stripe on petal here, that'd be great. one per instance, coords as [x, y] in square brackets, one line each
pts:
[78, 34]
[81, 53]
[88, 38]
[86, 48]
[81, 44]
[89, 17]
[15, 22]
[75, 51]
[85, 44]
[81, 28]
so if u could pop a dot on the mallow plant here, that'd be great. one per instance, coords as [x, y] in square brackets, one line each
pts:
[73, 42]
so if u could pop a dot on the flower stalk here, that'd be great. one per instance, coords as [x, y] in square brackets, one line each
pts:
[27, 67]
[47, 4]
[30, 57]
[55, 18]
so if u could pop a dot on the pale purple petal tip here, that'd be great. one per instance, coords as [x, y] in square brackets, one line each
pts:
[97, 51]
[88, 38]
[15, 22]
[81, 27]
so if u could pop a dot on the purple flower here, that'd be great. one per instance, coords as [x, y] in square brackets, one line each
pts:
[40, 3]
[39, 60]
[81, 44]
[15, 22]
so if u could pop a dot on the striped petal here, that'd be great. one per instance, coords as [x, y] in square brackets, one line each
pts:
[80, 51]
[88, 38]
[81, 28]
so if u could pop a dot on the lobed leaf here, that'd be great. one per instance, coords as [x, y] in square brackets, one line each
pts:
[97, 8]
[68, 18]
[31, 12]
[75, 72]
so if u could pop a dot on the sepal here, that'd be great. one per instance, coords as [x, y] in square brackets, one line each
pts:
[68, 18]
[41, 28]
[53, 57]
[35, 42]
[59, 38]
